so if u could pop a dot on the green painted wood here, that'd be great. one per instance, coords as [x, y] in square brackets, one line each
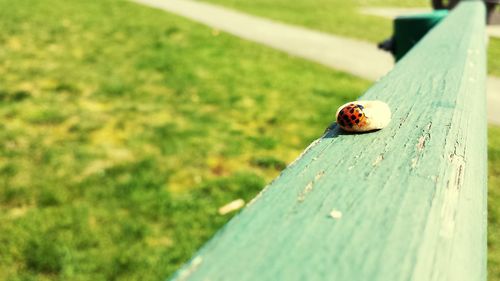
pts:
[412, 196]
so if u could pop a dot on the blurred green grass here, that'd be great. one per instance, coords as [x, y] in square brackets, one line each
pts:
[342, 18]
[493, 203]
[124, 129]
[494, 56]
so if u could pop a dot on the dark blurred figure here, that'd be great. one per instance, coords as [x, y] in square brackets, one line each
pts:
[388, 44]
[450, 4]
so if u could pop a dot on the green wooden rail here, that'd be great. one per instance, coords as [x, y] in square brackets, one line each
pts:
[408, 201]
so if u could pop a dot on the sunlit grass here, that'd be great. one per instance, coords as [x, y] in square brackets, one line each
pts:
[124, 129]
[494, 56]
[493, 203]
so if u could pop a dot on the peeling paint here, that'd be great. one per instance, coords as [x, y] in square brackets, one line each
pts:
[378, 160]
[313, 144]
[421, 143]
[185, 273]
[452, 192]
[319, 175]
[256, 197]
[309, 186]
[435, 179]
[307, 189]
[414, 162]
[402, 120]
[424, 137]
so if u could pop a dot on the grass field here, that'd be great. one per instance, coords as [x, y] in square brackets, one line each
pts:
[341, 17]
[124, 129]
[494, 57]
[493, 203]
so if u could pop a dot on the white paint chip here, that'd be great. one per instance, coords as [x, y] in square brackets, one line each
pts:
[336, 214]
[378, 160]
[231, 206]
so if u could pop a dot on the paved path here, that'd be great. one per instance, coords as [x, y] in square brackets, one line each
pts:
[356, 57]
[391, 13]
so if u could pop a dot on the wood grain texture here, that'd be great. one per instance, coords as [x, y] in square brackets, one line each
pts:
[408, 202]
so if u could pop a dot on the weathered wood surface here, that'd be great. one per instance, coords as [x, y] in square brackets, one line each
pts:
[412, 197]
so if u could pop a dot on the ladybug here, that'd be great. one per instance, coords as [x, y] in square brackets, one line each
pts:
[363, 116]
[351, 117]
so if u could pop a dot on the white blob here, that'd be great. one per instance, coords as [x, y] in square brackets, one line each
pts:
[231, 206]
[336, 214]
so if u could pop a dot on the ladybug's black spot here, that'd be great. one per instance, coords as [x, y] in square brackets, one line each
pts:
[352, 110]
[357, 121]
[350, 125]
[353, 117]
[346, 118]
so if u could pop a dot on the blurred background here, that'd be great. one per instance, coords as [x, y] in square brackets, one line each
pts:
[124, 128]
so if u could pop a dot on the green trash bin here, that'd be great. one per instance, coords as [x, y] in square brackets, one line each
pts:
[408, 30]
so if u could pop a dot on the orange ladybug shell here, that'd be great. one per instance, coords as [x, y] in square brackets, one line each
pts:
[350, 116]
